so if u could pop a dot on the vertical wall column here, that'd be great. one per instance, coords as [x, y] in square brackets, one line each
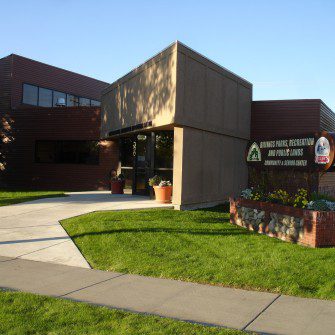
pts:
[177, 165]
[207, 169]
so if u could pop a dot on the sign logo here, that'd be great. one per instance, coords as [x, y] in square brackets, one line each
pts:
[254, 153]
[322, 151]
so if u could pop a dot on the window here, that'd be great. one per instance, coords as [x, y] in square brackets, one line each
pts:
[84, 102]
[30, 94]
[40, 96]
[127, 151]
[72, 100]
[67, 152]
[95, 103]
[59, 97]
[164, 155]
[44, 97]
[45, 151]
[164, 150]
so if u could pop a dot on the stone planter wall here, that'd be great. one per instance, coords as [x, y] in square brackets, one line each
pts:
[297, 225]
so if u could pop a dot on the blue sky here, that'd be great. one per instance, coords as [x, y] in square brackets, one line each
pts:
[285, 48]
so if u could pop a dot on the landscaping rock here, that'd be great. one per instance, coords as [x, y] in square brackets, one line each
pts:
[283, 226]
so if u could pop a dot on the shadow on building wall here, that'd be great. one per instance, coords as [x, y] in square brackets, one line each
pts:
[145, 94]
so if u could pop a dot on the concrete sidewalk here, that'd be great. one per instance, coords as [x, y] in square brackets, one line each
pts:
[31, 230]
[261, 312]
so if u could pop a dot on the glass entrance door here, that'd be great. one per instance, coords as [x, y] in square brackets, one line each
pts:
[145, 155]
[143, 164]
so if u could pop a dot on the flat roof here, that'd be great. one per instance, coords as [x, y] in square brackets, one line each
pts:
[293, 100]
[55, 67]
[177, 44]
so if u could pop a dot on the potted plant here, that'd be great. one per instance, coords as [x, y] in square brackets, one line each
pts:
[117, 184]
[163, 189]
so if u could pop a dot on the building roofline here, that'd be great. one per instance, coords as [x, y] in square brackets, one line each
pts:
[26, 108]
[290, 100]
[211, 61]
[13, 55]
[175, 44]
[320, 101]
[137, 68]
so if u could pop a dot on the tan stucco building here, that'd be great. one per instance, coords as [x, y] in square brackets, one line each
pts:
[184, 117]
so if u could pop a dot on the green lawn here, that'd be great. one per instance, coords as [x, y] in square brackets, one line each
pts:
[23, 313]
[13, 197]
[201, 246]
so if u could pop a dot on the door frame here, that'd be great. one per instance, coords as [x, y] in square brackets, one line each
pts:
[150, 159]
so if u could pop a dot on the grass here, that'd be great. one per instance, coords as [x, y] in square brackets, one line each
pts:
[201, 246]
[9, 197]
[24, 313]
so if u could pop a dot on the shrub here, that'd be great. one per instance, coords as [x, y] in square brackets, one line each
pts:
[155, 180]
[319, 196]
[321, 205]
[280, 197]
[258, 195]
[247, 193]
[301, 198]
[317, 202]
[164, 183]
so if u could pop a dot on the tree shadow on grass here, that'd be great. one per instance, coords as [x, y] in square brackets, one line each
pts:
[5, 201]
[211, 220]
[223, 232]
[220, 209]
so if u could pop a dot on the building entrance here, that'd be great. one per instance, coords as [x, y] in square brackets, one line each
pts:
[145, 155]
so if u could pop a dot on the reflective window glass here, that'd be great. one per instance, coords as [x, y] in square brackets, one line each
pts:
[59, 98]
[127, 151]
[72, 100]
[44, 97]
[67, 152]
[84, 102]
[164, 150]
[30, 94]
[95, 103]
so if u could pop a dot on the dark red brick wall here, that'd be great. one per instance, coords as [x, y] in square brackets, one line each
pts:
[5, 85]
[319, 227]
[5, 101]
[25, 70]
[327, 118]
[75, 123]
[280, 118]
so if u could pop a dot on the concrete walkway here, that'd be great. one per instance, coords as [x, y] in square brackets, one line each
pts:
[31, 230]
[265, 313]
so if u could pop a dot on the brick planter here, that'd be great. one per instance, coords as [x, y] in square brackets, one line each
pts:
[306, 227]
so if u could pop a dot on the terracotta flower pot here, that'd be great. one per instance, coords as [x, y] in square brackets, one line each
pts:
[163, 194]
[117, 186]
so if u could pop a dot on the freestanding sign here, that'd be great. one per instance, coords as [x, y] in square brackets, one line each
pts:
[313, 152]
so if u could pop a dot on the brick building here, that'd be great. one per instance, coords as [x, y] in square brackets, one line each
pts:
[178, 115]
[51, 128]
[278, 118]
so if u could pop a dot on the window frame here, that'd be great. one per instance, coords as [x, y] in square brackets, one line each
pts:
[53, 97]
[59, 147]
[38, 96]
[22, 97]
[82, 98]
[75, 96]
[54, 90]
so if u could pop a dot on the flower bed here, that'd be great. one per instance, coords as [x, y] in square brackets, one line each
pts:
[298, 225]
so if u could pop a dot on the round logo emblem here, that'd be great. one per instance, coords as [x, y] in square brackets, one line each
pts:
[322, 150]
